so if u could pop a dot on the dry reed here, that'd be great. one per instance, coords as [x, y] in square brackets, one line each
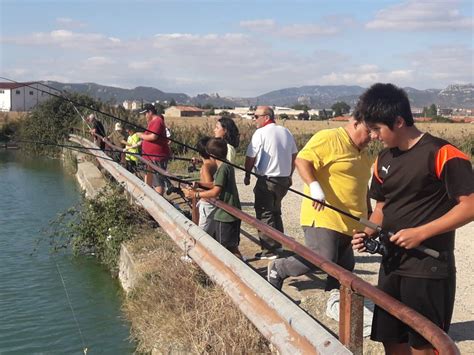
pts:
[176, 308]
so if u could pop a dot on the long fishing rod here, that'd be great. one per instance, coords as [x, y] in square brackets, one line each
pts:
[364, 221]
[169, 191]
[104, 150]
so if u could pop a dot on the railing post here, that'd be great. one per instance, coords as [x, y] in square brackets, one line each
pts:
[351, 315]
[194, 210]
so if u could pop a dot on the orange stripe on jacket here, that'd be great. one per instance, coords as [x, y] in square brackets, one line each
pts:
[446, 153]
[376, 171]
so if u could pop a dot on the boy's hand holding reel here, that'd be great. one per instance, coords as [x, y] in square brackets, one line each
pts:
[380, 243]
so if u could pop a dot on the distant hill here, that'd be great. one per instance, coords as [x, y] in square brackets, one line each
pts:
[454, 96]
[118, 95]
[315, 96]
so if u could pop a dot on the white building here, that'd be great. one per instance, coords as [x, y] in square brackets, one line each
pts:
[133, 104]
[23, 96]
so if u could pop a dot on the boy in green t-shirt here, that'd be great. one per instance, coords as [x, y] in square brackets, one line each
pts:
[224, 187]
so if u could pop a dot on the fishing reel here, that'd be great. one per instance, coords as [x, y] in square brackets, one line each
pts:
[192, 168]
[373, 246]
[381, 246]
[173, 189]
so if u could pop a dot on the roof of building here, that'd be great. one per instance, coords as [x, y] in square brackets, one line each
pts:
[15, 85]
[422, 119]
[466, 119]
[188, 108]
[340, 118]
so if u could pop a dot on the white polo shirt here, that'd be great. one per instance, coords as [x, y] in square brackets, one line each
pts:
[273, 147]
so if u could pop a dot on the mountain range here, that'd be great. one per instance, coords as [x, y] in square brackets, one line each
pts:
[315, 96]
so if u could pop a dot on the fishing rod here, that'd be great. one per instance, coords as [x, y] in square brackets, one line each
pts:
[104, 150]
[81, 149]
[364, 221]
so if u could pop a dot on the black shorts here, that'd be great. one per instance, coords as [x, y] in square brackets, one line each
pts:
[432, 298]
[227, 233]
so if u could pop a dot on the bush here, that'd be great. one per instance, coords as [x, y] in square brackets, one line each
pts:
[98, 226]
[51, 122]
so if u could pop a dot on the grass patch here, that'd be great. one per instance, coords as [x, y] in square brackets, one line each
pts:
[177, 309]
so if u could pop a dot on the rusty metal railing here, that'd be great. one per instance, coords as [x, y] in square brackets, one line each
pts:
[352, 290]
[284, 324]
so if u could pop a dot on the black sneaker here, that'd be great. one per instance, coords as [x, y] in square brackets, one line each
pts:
[266, 255]
[273, 277]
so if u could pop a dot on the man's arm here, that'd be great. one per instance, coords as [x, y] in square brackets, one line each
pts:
[308, 174]
[458, 216]
[293, 158]
[249, 164]
[148, 136]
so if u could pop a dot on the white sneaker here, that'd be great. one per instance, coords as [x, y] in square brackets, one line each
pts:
[332, 305]
[186, 259]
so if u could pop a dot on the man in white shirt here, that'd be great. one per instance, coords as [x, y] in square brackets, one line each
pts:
[271, 152]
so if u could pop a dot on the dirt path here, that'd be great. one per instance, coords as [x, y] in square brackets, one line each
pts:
[308, 290]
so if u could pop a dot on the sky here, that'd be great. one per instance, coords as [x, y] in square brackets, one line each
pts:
[238, 48]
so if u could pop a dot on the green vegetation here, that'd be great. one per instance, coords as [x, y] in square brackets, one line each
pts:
[302, 107]
[340, 108]
[99, 226]
[51, 122]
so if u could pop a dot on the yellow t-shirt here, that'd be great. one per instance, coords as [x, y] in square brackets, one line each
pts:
[343, 173]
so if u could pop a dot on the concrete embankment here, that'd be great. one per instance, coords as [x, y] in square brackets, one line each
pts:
[91, 180]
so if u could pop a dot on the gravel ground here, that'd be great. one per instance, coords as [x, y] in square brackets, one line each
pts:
[308, 289]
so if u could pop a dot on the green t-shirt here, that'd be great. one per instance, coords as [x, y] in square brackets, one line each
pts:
[225, 178]
[132, 140]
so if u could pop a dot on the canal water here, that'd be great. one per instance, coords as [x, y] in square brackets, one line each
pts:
[35, 314]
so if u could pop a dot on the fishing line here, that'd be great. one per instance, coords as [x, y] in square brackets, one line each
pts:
[361, 220]
[84, 347]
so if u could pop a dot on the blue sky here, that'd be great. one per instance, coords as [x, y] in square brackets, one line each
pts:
[238, 48]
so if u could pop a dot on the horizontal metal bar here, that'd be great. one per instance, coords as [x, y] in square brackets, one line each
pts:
[283, 323]
[431, 332]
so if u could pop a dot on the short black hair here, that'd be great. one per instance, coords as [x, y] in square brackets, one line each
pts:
[383, 103]
[201, 147]
[217, 147]
[149, 108]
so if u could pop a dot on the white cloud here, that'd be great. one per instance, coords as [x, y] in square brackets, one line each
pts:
[366, 75]
[308, 30]
[65, 39]
[421, 15]
[232, 64]
[263, 24]
[66, 22]
[443, 64]
[296, 30]
[98, 61]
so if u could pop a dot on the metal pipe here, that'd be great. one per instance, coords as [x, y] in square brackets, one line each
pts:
[432, 333]
[283, 323]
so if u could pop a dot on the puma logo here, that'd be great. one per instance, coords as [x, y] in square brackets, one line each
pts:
[385, 169]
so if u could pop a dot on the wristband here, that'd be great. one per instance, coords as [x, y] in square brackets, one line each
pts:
[316, 191]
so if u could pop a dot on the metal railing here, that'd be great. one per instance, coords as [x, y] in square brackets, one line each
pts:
[352, 291]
